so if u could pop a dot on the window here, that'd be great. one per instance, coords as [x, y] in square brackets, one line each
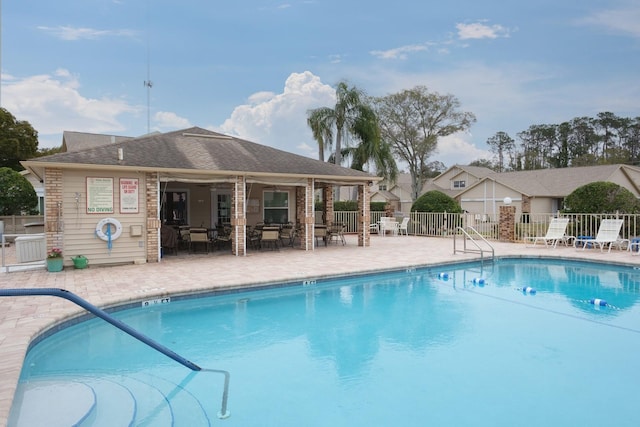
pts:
[382, 187]
[459, 184]
[276, 207]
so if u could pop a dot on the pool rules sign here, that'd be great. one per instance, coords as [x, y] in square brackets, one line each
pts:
[128, 195]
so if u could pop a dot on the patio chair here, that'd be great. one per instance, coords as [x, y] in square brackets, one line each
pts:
[555, 233]
[198, 237]
[336, 232]
[404, 226]
[608, 234]
[270, 237]
[321, 232]
[288, 233]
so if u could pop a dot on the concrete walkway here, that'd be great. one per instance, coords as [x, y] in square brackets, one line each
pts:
[24, 318]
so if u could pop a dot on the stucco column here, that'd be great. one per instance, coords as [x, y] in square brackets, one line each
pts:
[239, 218]
[507, 224]
[364, 208]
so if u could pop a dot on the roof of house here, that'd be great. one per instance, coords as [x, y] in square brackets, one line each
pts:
[75, 141]
[554, 182]
[387, 195]
[199, 151]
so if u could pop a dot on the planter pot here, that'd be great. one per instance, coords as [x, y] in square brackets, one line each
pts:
[54, 264]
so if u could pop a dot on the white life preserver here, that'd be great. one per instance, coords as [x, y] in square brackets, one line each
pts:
[108, 222]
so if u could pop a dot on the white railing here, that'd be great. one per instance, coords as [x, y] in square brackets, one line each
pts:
[487, 225]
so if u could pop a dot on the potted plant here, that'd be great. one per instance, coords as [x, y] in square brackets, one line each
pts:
[55, 260]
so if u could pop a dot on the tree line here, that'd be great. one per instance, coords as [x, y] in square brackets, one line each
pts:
[582, 141]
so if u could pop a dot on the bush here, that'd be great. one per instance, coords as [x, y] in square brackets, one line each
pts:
[17, 195]
[601, 197]
[435, 201]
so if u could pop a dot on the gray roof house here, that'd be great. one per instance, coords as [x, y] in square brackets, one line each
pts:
[541, 191]
[191, 177]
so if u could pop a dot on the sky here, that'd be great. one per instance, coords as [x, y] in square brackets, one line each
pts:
[254, 68]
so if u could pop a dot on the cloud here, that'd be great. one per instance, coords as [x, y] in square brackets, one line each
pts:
[478, 30]
[74, 33]
[457, 150]
[53, 103]
[280, 119]
[621, 20]
[166, 120]
[399, 52]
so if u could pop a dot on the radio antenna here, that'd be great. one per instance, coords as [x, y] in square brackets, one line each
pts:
[148, 83]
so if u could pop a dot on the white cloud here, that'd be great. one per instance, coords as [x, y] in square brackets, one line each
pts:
[77, 33]
[399, 52]
[479, 30]
[280, 120]
[455, 149]
[52, 104]
[621, 20]
[165, 120]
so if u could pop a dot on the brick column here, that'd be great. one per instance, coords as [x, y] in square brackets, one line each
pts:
[153, 216]
[507, 224]
[327, 196]
[239, 218]
[364, 209]
[53, 219]
[306, 214]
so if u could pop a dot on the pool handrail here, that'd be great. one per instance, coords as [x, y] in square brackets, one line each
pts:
[468, 236]
[70, 296]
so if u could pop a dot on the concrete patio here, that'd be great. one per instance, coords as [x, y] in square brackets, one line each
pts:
[24, 318]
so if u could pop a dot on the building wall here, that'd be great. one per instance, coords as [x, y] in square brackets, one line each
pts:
[79, 227]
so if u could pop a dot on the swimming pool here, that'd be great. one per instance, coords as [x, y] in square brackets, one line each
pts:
[418, 346]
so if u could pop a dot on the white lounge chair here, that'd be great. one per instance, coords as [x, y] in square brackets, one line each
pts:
[555, 233]
[608, 234]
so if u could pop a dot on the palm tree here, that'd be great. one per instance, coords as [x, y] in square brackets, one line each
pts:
[351, 115]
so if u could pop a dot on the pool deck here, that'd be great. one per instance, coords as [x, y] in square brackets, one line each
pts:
[24, 318]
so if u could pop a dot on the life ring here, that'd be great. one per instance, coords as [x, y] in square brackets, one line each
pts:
[110, 235]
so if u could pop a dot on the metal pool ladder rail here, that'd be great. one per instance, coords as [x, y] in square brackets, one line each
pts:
[70, 296]
[466, 236]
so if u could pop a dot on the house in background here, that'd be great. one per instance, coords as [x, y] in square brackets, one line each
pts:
[541, 191]
[450, 182]
[480, 190]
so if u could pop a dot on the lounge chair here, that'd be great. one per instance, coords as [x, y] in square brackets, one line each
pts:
[608, 234]
[555, 233]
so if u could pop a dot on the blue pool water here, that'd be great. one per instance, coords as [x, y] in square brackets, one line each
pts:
[408, 348]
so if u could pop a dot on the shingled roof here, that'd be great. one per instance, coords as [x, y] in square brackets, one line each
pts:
[199, 151]
[555, 182]
[75, 141]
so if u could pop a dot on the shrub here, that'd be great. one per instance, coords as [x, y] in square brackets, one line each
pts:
[601, 197]
[435, 201]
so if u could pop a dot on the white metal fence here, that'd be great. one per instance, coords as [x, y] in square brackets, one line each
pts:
[527, 225]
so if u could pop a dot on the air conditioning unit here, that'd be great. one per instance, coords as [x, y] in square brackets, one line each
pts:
[30, 248]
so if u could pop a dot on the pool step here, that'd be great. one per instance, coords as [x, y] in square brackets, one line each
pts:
[52, 404]
[108, 401]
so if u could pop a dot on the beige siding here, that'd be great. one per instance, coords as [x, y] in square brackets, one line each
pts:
[487, 197]
[79, 226]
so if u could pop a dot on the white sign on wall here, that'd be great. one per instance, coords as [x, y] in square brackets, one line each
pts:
[128, 195]
[99, 195]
